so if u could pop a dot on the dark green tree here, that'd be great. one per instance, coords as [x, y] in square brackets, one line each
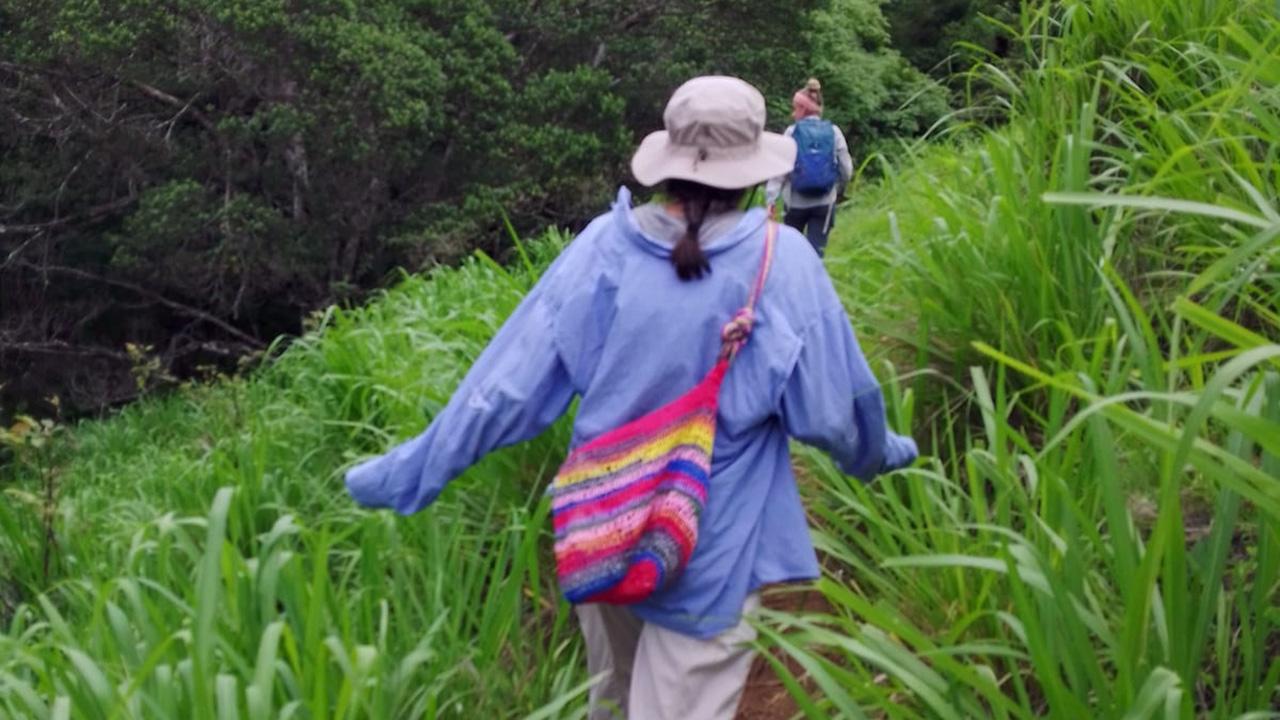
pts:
[196, 175]
[870, 90]
[943, 37]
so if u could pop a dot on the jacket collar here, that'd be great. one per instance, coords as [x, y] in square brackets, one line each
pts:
[751, 224]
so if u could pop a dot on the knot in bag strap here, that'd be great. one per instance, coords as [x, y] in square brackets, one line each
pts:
[738, 329]
[734, 335]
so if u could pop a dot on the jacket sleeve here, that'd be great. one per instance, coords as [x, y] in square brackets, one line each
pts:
[833, 402]
[842, 154]
[774, 188]
[517, 388]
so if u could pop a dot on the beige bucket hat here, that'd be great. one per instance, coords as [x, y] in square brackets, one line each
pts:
[715, 136]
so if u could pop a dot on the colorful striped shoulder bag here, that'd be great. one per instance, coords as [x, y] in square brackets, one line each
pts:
[625, 506]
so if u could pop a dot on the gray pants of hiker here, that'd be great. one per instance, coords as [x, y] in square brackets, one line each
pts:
[815, 222]
[652, 673]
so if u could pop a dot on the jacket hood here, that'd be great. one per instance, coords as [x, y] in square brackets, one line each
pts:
[751, 224]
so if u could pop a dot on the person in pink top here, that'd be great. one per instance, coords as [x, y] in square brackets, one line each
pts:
[823, 166]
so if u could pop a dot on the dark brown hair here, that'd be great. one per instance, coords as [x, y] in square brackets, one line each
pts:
[698, 202]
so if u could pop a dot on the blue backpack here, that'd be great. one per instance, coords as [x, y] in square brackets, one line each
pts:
[816, 170]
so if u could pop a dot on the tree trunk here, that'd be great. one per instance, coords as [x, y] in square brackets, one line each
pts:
[296, 158]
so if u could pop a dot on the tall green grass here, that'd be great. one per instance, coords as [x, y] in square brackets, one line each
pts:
[212, 565]
[1101, 534]
[1089, 306]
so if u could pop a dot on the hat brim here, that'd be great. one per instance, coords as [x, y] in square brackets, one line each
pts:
[657, 160]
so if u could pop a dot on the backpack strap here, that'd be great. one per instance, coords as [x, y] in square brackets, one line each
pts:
[735, 333]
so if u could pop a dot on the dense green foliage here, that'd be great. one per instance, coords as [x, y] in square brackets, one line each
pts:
[195, 176]
[1092, 297]
[1084, 306]
[868, 89]
[276, 597]
[946, 36]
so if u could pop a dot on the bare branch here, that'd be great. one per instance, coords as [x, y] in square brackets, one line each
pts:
[94, 213]
[182, 308]
[164, 97]
[58, 347]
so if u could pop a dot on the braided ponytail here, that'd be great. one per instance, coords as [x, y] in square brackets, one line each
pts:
[691, 263]
[698, 202]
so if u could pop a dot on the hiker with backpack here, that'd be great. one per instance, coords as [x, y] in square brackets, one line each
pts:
[823, 167]
[698, 337]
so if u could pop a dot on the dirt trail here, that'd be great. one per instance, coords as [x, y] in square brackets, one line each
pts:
[766, 698]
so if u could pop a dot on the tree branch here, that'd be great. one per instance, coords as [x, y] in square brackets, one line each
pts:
[164, 97]
[58, 347]
[182, 308]
[91, 214]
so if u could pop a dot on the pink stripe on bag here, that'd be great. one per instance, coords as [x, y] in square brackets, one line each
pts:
[625, 520]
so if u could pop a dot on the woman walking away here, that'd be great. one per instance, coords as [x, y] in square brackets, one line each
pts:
[823, 166]
[683, 421]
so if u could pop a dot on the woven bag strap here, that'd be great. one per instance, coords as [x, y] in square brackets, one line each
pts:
[735, 333]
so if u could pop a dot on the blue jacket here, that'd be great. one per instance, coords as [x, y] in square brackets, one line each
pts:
[611, 323]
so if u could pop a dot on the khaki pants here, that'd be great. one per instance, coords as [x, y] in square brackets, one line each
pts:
[652, 673]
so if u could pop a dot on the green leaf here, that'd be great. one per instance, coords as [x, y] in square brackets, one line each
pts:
[1170, 205]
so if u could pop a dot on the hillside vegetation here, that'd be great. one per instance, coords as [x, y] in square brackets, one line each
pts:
[192, 176]
[1078, 314]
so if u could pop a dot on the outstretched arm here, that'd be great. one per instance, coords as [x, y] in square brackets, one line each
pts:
[516, 389]
[833, 402]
